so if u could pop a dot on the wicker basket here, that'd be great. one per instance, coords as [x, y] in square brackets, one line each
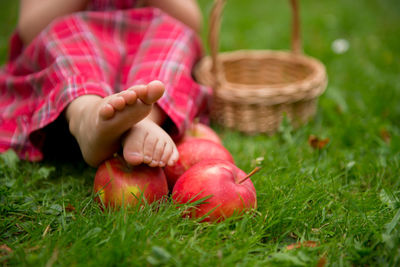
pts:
[254, 88]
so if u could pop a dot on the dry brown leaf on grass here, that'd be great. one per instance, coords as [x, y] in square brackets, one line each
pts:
[305, 244]
[322, 261]
[309, 244]
[317, 143]
[69, 208]
[385, 135]
[5, 250]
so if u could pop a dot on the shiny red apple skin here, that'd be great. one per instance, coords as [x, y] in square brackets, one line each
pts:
[201, 130]
[220, 180]
[115, 183]
[191, 152]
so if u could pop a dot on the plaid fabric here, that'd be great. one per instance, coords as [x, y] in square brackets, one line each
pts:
[97, 52]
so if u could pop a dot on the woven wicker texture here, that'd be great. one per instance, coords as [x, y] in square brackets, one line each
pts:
[253, 89]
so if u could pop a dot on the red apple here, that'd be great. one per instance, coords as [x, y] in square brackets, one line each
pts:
[118, 184]
[191, 152]
[229, 189]
[201, 130]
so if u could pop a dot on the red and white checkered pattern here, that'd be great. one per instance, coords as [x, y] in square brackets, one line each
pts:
[99, 51]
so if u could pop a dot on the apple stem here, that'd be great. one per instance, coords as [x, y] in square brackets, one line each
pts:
[256, 169]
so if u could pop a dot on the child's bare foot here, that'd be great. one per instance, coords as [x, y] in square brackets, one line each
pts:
[98, 123]
[146, 142]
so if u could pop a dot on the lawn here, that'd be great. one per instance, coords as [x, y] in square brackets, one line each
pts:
[341, 202]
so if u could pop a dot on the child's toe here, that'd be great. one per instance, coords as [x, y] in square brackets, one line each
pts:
[153, 92]
[167, 153]
[118, 102]
[159, 151]
[106, 111]
[174, 157]
[150, 143]
[129, 96]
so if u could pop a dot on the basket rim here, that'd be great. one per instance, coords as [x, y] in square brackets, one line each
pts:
[317, 67]
[310, 87]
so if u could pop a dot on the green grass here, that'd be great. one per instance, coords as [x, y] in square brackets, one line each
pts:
[345, 196]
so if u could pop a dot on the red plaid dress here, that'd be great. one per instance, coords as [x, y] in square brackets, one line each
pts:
[102, 50]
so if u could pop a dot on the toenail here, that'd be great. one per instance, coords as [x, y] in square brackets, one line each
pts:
[154, 162]
[162, 163]
[135, 154]
[147, 158]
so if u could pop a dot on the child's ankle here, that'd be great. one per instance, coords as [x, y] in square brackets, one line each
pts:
[76, 110]
[157, 115]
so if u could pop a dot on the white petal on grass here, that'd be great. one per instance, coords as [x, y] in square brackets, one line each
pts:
[340, 46]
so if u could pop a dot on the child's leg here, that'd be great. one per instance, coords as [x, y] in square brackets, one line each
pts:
[98, 123]
[168, 54]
